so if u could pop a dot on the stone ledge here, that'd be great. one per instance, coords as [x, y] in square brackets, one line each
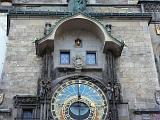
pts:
[7, 110]
[146, 111]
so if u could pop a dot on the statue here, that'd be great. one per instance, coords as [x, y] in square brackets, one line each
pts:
[47, 28]
[77, 5]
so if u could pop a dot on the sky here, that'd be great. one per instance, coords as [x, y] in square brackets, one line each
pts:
[3, 39]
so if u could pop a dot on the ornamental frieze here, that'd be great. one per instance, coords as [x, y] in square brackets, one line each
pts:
[152, 7]
[24, 100]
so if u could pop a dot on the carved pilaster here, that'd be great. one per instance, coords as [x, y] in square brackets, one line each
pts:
[111, 80]
[44, 85]
[110, 70]
[47, 65]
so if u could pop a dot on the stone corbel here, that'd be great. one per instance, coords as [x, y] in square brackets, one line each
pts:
[116, 48]
[111, 43]
[42, 46]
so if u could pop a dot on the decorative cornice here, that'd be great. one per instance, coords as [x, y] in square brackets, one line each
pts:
[146, 111]
[152, 7]
[25, 100]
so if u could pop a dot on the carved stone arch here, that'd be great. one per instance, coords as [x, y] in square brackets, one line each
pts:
[80, 21]
[94, 79]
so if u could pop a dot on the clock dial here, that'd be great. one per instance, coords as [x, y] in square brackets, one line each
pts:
[79, 100]
[79, 110]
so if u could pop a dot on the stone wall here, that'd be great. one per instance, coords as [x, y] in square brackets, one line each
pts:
[22, 67]
[136, 67]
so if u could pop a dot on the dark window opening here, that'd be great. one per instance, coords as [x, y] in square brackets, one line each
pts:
[27, 114]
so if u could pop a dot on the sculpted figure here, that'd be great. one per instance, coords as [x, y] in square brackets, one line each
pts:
[77, 5]
[80, 4]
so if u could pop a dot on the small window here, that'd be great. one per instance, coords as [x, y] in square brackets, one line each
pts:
[65, 57]
[91, 58]
[27, 114]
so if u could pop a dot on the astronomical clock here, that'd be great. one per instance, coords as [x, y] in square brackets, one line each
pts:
[79, 100]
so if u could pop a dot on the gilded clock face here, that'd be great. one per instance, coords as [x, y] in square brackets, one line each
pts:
[79, 100]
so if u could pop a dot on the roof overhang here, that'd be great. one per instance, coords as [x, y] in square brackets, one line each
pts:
[80, 21]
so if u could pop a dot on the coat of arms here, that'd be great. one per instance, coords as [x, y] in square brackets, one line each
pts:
[78, 62]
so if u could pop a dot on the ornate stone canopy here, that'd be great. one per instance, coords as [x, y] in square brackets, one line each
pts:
[80, 21]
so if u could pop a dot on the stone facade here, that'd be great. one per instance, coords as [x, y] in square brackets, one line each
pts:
[135, 66]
